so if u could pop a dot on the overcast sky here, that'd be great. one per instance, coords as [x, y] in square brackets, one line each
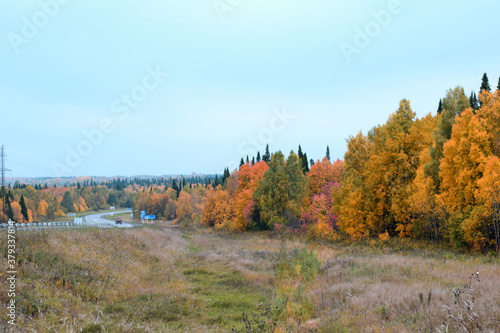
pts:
[168, 87]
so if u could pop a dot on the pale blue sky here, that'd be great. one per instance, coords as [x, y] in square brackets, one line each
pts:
[226, 77]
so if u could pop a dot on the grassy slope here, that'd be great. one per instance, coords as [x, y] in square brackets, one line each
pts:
[197, 280]
[145, 279]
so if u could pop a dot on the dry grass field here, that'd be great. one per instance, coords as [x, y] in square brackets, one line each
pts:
[193, 279]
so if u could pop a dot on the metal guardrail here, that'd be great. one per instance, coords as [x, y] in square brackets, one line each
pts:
[52, 225]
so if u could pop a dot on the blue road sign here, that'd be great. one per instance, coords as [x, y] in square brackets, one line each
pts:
[143, 212]
[150, 217]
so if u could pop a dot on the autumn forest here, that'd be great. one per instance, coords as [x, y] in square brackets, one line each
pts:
[435, 178]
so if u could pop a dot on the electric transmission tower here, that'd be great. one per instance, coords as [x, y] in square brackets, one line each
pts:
[3, 169]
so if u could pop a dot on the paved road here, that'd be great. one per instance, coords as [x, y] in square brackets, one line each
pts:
[99, 219]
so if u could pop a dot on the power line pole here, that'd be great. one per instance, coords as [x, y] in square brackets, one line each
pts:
[3, 169]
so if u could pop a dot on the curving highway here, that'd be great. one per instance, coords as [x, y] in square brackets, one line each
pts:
[99, 219]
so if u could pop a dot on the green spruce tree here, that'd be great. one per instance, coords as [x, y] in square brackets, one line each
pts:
[225, 176]
[305, 163]
[67, 202]
[258, 157]
[474, 103]
[303, 160]
[112, 198]
[328, 153]
[440, 107]
[10, 213]
[485, 84]
[267, 156]
[176, 187]
[24, 209]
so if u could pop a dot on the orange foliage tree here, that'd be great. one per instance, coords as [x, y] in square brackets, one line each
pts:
[379, 170]
[3, 217]
[42, 207]
[489, 197]
[323, 178]
[184, 207]
[466, 173]
[462, 166]
[82, 205]
[351, 200]
[216, 211]
[322, 173]
[248, 180]
[16, 210]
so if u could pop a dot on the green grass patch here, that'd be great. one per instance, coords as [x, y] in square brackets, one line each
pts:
[193, 249]
[152, 307]
[225, 294]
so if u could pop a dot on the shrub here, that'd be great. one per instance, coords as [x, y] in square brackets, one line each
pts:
[295, 271]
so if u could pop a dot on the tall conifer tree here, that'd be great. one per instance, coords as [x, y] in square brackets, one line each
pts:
[24, 210]
[485, 84]
[474, 103]
[67, 202]
[267, 156]
[305, 163]
[175, 187]
[10, 213]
